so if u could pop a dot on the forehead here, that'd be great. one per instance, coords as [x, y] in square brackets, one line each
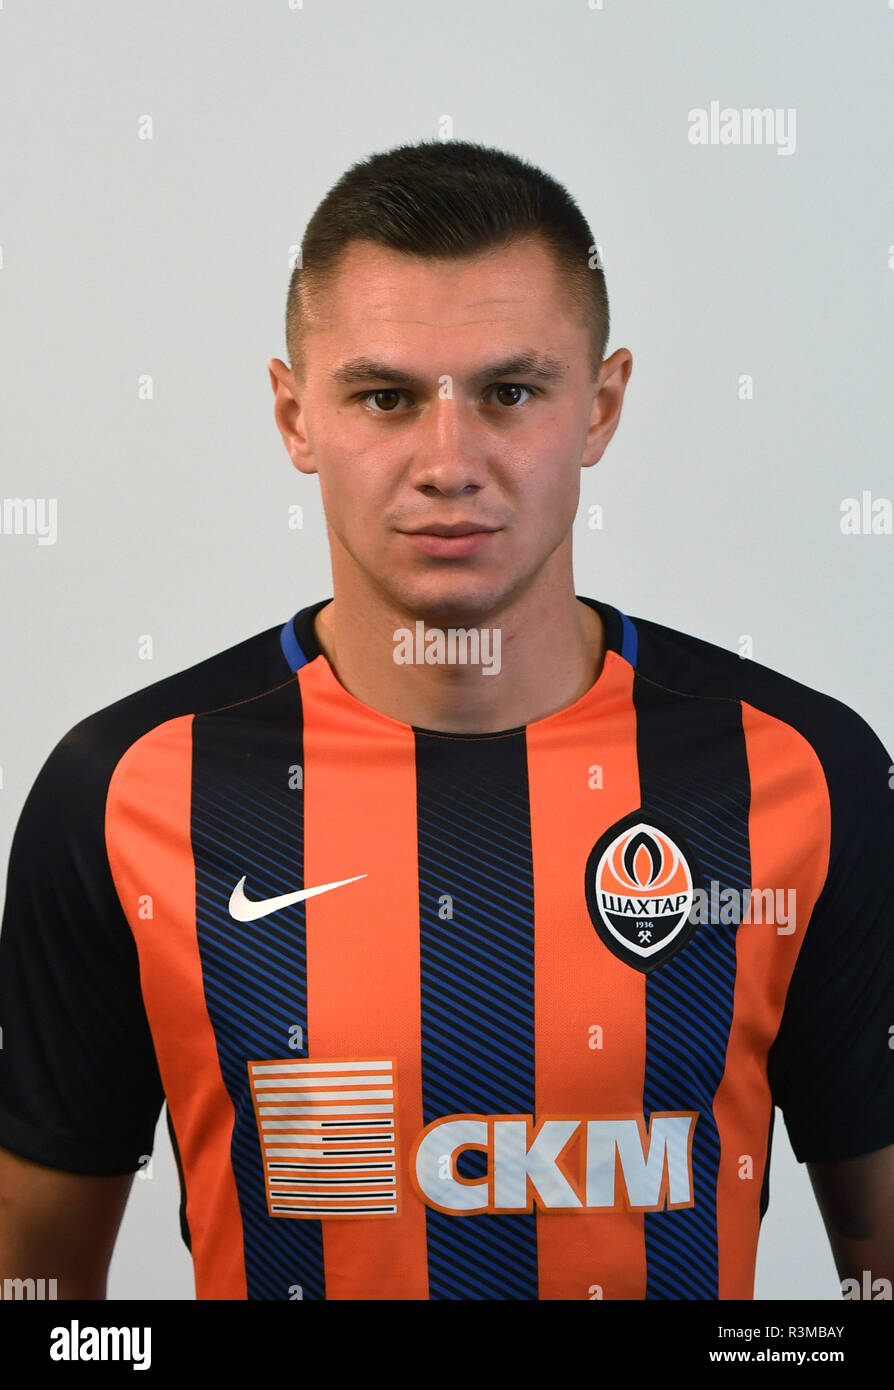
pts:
[374, 288]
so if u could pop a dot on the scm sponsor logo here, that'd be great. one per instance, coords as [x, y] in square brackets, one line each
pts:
[563, 1163]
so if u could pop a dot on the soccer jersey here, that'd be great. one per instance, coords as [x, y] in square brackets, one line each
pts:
[456, 1016]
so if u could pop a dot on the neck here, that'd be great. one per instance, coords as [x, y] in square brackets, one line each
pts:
[536, 656]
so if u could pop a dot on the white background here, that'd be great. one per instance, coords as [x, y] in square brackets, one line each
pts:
[170, 256]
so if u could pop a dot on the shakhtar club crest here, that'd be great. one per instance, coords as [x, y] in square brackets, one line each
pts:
[640, 882]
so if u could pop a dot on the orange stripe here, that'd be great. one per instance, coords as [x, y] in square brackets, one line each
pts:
[363, 953]
[147, 836]
[789, 830]
[579, 983]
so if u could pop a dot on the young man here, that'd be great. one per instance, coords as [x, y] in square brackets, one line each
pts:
[470, 929]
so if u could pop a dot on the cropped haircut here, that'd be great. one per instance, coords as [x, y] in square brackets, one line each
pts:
[446, 200]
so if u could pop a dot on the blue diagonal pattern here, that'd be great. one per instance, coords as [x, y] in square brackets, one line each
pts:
[477, 986]
[247, 818]
[694, 775]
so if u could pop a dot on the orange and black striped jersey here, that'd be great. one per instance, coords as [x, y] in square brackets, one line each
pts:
[440, 1016]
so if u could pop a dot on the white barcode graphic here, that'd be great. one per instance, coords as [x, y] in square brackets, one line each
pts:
[328, 1136]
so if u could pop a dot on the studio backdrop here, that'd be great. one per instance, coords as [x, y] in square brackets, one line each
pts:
[160, 162]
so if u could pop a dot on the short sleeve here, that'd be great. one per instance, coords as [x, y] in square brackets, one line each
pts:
[79, 1082]
[831, 1067]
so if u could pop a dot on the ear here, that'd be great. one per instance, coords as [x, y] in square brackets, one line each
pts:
[608, 397]
[289, 415]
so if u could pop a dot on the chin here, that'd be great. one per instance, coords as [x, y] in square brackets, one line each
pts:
[449, 602]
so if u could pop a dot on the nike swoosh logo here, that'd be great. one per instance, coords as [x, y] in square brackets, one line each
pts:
[244, 910]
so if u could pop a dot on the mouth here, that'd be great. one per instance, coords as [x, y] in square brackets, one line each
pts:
[459, 528]
[450, 542]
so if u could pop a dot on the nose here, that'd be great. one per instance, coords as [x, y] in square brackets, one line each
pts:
[448, 450]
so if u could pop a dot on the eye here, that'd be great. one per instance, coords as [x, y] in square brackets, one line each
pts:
[382, 391]
[392, 393]
[512, 386]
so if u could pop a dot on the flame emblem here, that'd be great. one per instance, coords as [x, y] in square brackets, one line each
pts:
[639, 888]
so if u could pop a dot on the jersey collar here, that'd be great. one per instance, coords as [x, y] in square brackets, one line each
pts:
[300, 646]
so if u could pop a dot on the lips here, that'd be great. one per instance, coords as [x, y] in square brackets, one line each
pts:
[459, 528]
[450, 542]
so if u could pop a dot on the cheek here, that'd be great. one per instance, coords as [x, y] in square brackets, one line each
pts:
[550, 489]
[351, 499]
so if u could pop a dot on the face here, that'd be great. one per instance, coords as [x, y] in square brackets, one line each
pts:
[448, 408]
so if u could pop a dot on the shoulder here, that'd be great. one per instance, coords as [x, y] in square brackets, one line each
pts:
[694, 667]
[71, 785]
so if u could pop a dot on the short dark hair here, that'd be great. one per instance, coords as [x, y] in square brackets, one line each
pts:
[448, 200]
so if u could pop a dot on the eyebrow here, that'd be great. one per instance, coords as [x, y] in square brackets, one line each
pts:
[532, 364]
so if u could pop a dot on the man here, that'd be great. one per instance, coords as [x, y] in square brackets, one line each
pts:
[469, 929]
